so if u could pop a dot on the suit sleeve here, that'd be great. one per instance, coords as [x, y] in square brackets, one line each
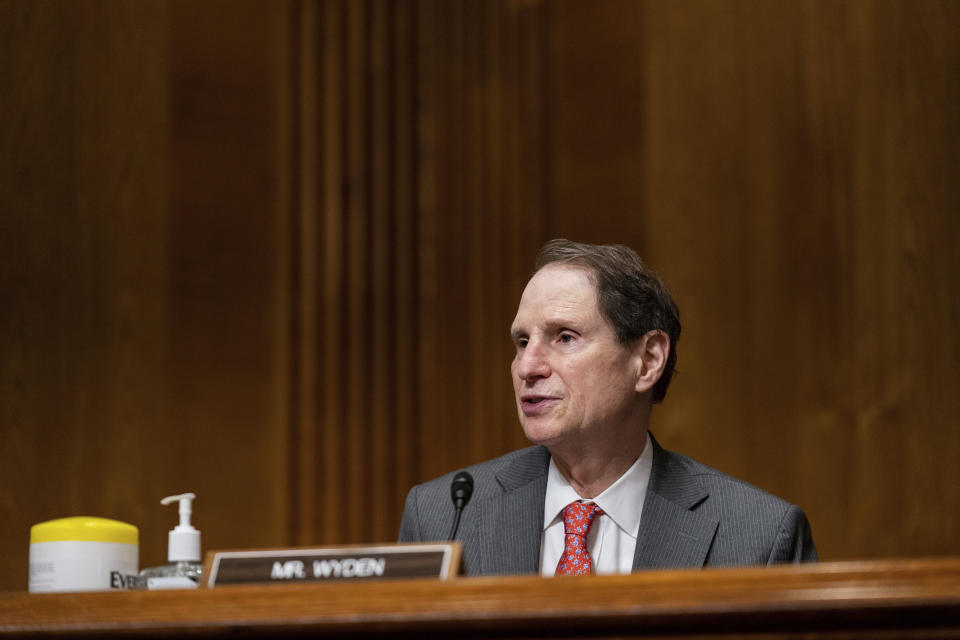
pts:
[794, 542]
[410, 523]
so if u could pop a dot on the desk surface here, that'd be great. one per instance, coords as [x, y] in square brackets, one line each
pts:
[870, 599]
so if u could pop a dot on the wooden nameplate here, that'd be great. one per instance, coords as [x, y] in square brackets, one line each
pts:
[301, 565]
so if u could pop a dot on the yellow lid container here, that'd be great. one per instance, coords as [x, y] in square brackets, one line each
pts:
[83, 553]
[84, 528]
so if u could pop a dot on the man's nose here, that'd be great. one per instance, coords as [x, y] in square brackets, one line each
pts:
[532, 362]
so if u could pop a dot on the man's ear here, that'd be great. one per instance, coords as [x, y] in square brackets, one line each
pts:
[650, 358]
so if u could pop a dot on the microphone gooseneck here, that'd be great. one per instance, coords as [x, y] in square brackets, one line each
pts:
[460, 491]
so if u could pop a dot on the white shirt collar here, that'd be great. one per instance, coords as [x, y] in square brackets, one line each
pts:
[622, 501]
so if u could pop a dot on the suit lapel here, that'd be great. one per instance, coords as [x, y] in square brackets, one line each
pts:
[671, 534]
[511, 524]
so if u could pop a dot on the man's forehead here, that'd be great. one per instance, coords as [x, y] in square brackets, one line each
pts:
[555, 292]
[557, 279]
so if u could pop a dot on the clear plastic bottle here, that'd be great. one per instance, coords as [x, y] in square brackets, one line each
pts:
[176, 575]
[183, 553]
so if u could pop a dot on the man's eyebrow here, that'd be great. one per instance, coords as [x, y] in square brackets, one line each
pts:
[558, 325]
[550, 327]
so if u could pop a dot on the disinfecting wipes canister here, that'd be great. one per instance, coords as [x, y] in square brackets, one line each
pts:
[83, 554]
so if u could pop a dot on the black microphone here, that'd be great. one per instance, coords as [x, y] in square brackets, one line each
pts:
[460, 491]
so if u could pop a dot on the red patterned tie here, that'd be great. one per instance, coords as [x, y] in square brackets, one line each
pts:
[577, 519]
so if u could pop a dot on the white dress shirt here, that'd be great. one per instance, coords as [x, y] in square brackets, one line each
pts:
[613, 537]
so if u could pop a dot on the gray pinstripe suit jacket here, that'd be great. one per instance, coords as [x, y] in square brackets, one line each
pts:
[693, 516]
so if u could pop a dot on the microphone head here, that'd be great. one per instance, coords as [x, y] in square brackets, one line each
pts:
[461, 488]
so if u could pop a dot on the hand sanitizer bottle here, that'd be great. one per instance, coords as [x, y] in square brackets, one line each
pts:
[183, 553]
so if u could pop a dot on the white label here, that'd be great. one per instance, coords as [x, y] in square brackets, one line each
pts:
[171, 582]
[82, 566]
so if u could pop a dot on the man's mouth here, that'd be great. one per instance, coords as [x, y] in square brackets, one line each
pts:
[534, 404]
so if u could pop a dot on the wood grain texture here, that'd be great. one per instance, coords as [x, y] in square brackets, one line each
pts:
[797, 196]
[227, 271]
[905, 599]
[143, 270]
[411, 107]
[83, 250]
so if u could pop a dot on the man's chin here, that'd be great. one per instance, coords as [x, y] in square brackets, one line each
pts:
[542, 432]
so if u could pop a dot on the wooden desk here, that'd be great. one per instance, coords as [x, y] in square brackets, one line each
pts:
[876, 599]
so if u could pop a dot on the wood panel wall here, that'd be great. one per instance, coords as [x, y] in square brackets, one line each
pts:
[420, 205]
[145, 229]
[801, 190]
[269, 252]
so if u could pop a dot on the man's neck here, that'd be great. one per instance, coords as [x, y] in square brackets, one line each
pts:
[594, 466]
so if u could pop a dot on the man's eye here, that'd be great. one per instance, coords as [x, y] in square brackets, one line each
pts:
[522, 342]
[566, 338]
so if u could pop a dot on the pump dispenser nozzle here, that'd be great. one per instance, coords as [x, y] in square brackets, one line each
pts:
[184, 539]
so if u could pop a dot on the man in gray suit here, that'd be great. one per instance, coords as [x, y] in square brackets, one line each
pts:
[595, 336]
